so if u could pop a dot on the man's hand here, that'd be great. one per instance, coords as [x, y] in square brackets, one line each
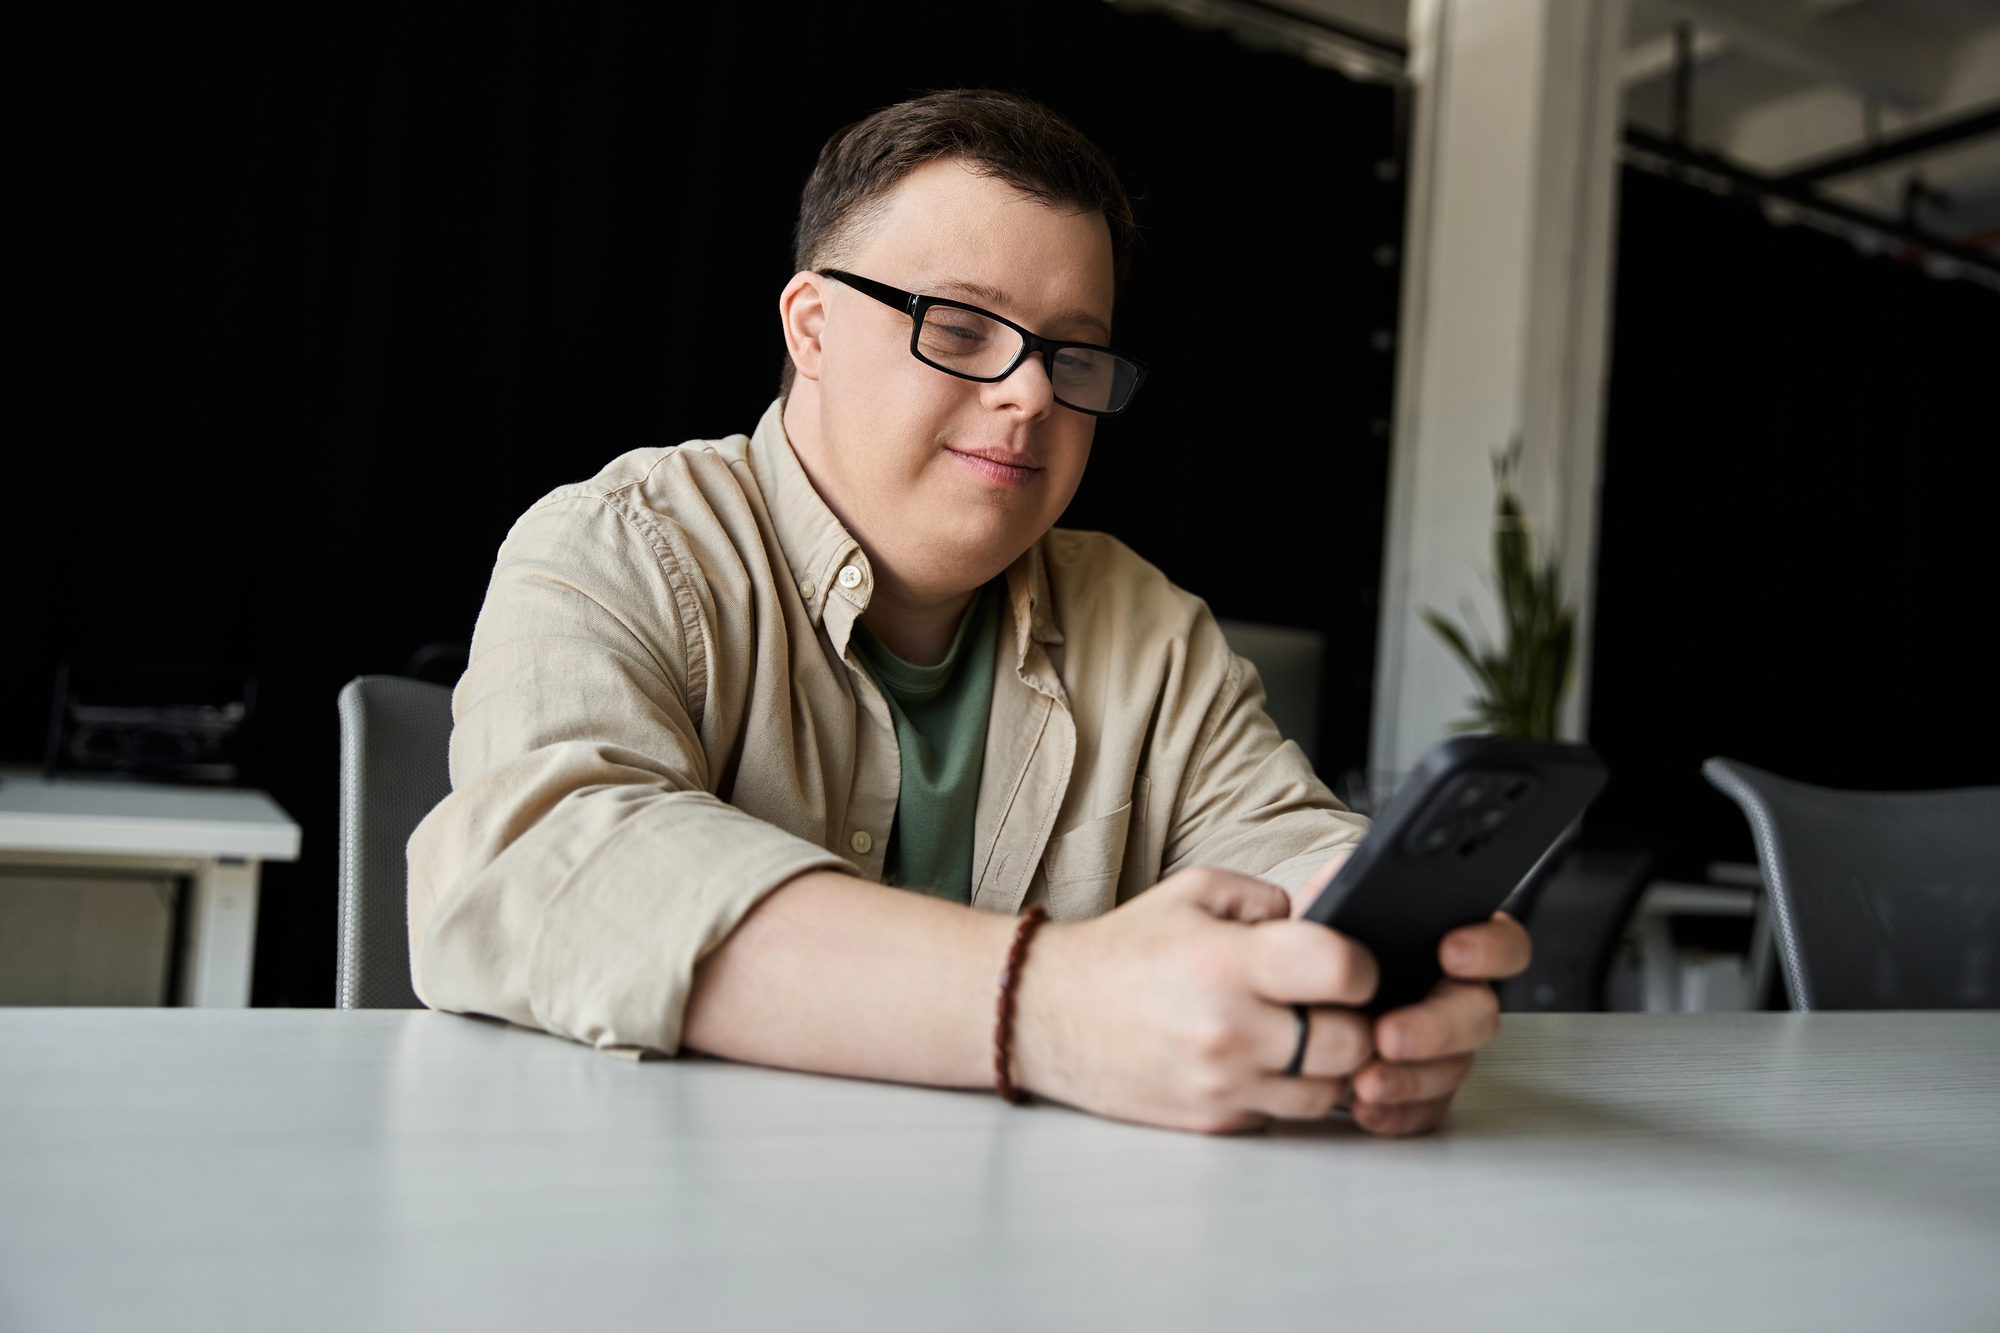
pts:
[1175, 1009]
[1424, 1051]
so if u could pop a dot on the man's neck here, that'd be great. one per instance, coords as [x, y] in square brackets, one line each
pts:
[917, 629]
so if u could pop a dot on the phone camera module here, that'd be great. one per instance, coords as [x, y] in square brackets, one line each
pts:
[1468, 814]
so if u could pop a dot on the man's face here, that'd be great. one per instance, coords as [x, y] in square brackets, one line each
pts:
[943, 481]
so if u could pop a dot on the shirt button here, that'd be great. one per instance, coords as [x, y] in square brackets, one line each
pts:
[861, 842]
[806, 589]
[850, 577]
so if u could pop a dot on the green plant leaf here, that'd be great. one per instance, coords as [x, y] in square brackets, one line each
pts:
[1522, 680]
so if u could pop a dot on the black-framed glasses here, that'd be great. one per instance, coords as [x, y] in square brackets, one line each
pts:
[978, 345]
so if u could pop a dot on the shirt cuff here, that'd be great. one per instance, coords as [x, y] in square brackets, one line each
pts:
[613, 961]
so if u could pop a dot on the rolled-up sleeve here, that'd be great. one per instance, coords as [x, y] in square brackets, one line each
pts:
[582, 864]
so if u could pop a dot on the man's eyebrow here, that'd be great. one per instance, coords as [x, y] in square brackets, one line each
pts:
[979, 293]
[971, 291]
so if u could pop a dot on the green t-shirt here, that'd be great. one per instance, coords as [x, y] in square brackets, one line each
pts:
[940, 713]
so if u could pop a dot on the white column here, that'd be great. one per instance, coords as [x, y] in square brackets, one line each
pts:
[1505, 309]
[221, 935]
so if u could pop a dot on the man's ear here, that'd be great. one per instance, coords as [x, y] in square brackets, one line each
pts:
[802, 311]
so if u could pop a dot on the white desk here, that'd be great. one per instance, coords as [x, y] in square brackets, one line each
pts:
[375, 1170]
[218, 838]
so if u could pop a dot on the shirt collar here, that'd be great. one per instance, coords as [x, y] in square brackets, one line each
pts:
[815, 545]
[1028, 596]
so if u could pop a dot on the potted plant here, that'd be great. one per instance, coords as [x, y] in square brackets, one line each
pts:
[1522, 680]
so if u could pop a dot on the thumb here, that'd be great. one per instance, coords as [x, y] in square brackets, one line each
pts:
[1320, 879]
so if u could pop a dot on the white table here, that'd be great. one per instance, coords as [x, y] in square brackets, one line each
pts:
[218, 838]
[379, 1170]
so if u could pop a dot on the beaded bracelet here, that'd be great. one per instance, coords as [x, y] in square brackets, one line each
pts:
[1003, 1026]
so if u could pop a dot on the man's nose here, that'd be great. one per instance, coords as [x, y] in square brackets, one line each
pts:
[1027, 390]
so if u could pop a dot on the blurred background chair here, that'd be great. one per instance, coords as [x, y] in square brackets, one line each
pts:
[395, 739]
[1575, 914]
[1877, 900]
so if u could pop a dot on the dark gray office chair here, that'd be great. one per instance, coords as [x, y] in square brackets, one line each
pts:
[395, 737]
[1574, 915]
[1879, 900]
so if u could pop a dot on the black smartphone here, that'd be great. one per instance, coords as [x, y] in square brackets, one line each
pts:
[1475, 820]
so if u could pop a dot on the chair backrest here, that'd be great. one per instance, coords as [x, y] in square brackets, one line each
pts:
[395, 741]
[1879, 900]
[1574, 915]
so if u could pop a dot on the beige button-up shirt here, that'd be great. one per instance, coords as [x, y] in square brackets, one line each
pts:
[663, 721]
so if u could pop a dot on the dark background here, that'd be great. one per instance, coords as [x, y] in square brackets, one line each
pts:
[1798, 554]
[319, 298]
[309, 302]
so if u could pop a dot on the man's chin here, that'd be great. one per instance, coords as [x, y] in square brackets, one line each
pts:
[965, 545]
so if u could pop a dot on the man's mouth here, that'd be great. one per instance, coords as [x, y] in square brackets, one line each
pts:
[1002, 467]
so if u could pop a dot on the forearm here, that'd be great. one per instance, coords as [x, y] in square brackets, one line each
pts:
[840, 976]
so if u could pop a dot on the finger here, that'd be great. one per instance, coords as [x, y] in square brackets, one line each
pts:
[1395, 1085]
[1338, 1042]
[1234, 897]
[1320, 879]
[1398, 1120]
[1300, 962]
[1493, 949]
[1297, 1098]
[1457, 1018]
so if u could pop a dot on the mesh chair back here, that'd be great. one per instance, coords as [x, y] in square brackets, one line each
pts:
[1880, 900]
[395, 740]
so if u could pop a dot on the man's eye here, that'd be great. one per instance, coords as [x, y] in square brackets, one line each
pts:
[1076, 367]
[942, 321]
[956, 335]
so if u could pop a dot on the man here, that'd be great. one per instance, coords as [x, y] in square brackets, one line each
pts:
[766, 741]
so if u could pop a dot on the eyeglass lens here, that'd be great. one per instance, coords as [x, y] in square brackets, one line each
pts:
[967, 343]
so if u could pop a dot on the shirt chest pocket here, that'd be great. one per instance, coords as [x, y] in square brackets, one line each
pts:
[1082, 866]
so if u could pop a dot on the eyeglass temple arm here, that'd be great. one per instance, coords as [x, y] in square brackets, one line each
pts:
[881, 291]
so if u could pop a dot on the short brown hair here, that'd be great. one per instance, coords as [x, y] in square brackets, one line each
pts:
[1006, 136]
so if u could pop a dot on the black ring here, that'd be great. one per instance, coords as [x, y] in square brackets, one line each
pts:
[1298, 1063]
